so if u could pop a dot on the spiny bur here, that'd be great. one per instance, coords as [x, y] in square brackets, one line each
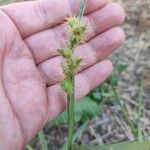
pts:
[76, 36]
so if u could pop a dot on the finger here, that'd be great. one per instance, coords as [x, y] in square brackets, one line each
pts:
[45, 44]
[34, 16]
[85, 82]
[95, 50]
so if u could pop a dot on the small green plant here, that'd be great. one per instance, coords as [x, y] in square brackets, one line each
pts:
[42, 140]
[71, 64]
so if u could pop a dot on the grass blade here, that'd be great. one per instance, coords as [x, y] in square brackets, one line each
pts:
[43, 141]
[125, 113]
[28, 147]
[123, 146]
[140, 111]
[82, 9]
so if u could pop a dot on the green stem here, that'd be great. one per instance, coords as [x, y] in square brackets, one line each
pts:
[71, 114]
[82, 9]
[71, 97]
[140, 111]
[125, 113]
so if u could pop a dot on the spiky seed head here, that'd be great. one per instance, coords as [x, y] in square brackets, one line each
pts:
[76, 32]
[77, 29]
[65, 52]
[67, 86]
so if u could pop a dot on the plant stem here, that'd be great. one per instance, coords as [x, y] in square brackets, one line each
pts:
[77, 133]
[71, 97]
[82, 9]
[43, 141]
[71, 115]
[140, 111]
[125, 113]
[77, 31]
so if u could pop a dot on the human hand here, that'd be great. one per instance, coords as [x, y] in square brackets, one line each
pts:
[30, 66]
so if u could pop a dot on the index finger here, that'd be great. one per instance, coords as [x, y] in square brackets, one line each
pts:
[35, 16]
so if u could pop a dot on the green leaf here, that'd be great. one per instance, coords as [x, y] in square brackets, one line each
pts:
[85, 109]
[82, 9]
[121, 67]
[113, 79]
[104, 88]
[61, 119]
[28, 147]
[123, 146]
[116, 55]
[43, 141]
[107, 95]
[6, 1]
[97, 95]
[88, 108]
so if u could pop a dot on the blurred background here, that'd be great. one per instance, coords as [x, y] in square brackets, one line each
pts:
[131, 78]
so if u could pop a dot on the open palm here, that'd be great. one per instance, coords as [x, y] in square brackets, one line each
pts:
[30, 67]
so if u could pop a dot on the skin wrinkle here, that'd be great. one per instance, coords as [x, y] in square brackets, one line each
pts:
[96, 29]
[59, 37]
[46, 114]
[58, 94]
[46, 20]
[40, 8]
[86, 59]
[9, 18]
[45, 109]
[31, 51]
[67, 12]
[95, 54]
[102, 5]
[93, 48]
[10, 46]
[92, 24]
[5, 90]
[3, 85]
[87, 80]
[70, 7]
[64, 32]
[15, 114]
[52, 71]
